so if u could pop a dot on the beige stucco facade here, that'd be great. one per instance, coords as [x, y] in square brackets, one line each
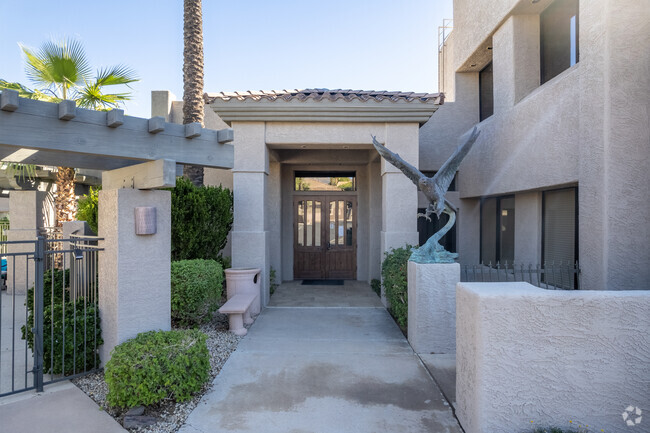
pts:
[587, 127]
[275, 139]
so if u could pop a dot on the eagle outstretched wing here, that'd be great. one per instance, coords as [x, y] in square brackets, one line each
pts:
[446, 174]
[411, 172]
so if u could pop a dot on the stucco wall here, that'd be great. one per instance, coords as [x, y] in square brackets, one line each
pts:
[532, 144]
[527, 354]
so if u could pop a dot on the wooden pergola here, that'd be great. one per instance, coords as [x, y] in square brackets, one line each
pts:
[44, 133]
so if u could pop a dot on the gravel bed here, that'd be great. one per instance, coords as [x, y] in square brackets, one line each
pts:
[171, 415]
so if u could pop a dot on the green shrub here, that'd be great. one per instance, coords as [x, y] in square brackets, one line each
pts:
[201, 220]
[88, 208]
[394, 271]
[375, 285]
[75, 323]
[157, 365]
[196, 290]
[273, 283]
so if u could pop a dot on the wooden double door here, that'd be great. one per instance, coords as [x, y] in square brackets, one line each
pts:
[325, 237]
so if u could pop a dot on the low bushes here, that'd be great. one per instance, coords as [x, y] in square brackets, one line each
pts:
[196, 287]
[394, 271]
[157, 365]
[73, 323]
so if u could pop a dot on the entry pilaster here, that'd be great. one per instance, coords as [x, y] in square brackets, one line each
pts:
[250, 236]
[398, 193]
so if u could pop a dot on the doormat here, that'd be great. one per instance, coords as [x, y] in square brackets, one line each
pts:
[322, 282]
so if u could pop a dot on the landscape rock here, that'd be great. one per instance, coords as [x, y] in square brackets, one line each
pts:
[135, 411]
[137, 421]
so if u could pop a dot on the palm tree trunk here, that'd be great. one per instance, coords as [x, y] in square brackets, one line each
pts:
[65, 200]
[193, 75]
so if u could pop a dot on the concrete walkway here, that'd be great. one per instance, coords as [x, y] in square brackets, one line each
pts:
[62, 407]
[313, 369]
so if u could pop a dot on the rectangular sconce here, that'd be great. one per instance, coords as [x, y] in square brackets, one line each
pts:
[145, 220]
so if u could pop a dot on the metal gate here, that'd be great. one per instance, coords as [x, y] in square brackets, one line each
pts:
[49, 317]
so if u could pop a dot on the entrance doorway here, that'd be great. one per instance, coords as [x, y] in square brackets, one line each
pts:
[325, 236]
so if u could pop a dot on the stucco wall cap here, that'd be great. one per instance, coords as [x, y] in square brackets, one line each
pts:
[519, 289]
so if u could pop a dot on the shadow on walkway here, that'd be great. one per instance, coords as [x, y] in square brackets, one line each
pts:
[323, 366]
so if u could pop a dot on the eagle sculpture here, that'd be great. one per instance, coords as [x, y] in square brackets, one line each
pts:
[434, 188]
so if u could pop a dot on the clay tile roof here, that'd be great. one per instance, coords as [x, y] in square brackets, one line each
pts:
[325, 94]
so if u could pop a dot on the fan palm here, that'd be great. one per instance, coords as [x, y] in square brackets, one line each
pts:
[193, 75]
[61, 70]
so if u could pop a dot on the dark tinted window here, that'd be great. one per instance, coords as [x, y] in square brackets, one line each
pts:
[427, 228]
[558, 38]
[486, 92]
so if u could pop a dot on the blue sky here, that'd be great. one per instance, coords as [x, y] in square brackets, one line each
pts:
[249, 44]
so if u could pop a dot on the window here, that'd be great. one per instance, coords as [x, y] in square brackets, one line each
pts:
[560, 232]
[325, 181]
[426, 229]
[486, 92]
[558, 38]
[498, 230]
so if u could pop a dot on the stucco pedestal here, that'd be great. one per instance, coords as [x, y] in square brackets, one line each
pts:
[134, 270]
[432, 306]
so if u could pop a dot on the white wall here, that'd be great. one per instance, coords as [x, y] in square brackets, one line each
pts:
[528, 354]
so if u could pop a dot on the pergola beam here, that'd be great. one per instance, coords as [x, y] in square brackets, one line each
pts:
[101, 140]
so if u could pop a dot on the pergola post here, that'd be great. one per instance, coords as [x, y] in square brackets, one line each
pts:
[134, 269]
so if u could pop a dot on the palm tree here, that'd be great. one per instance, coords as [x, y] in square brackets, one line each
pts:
[61, 69]
[193, 75]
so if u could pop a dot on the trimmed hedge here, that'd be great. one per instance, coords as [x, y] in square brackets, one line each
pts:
[157, 365]
[394, 272]
[201, 220]
[77, 324]
[196, 287]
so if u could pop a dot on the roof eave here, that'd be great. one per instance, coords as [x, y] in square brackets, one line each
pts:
[235, 110]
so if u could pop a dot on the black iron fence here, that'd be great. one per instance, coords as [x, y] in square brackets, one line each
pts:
[552, 276]
[49, 317]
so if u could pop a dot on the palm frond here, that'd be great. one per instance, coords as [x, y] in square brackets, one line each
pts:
[19, 170]
[115, 75]
[91, 96]
[26, 92]
[57, 64]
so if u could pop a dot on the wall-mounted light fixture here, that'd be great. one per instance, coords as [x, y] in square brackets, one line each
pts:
[145, 220]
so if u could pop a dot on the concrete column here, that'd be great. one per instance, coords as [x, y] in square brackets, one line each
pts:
[26, 219]
[134, 270]
[515, 57]
[614, 209]
[375, 256]
[161, 104]
[250, 236]
[432, 306]
[399, 198]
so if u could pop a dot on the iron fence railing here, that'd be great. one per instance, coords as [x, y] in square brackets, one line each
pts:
[552, 276]
[4, 226]
[49, 312]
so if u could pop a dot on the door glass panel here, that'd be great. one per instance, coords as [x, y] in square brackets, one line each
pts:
[317, 223]
[341, 221]
[348, 223]
[332, 223]
[310, 224]
[301, 223]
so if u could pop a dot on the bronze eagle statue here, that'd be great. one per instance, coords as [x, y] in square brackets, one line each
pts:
[434, 188]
